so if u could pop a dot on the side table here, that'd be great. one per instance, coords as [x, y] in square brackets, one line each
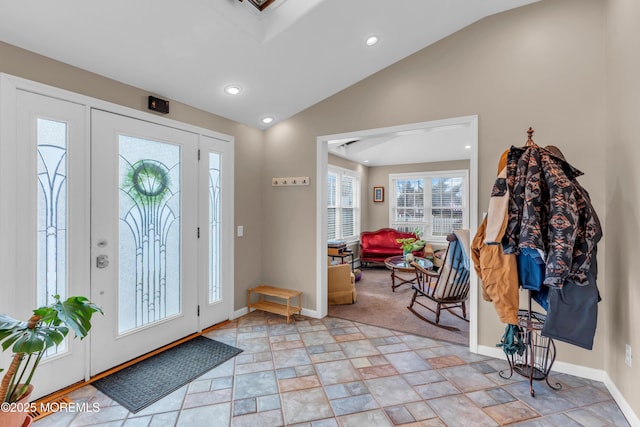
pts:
[342, 256]
[397, 264]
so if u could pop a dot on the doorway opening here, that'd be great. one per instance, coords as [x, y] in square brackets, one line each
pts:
[422, 142]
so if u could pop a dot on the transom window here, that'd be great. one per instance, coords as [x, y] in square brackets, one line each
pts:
[434, 202]
[343, 204]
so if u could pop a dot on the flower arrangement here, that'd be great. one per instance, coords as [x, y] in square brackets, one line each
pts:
[411, 244]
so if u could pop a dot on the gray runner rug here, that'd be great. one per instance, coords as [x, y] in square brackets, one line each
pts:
[148, 381]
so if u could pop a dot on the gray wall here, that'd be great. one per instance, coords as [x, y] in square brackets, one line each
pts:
[621, 295]
[542, 65]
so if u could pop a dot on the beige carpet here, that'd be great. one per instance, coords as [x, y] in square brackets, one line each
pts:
[377, 305]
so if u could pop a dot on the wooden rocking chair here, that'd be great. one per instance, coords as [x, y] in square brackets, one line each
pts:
[448, 287]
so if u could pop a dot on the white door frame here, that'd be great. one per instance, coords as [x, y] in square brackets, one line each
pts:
[321, 204]
[9, 84]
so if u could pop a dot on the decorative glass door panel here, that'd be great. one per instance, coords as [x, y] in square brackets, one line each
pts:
[149, 232]
[52, 214]
[214, 228]
[52, 209]
[216, 222]
[144, 220]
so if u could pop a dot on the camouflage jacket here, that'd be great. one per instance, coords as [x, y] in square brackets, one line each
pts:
[550, 211]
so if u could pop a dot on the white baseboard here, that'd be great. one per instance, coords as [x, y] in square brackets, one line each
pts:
[311, 313]
[582, 372]
[562, 367]
[494, 352]
[240, 313]
[626, 409]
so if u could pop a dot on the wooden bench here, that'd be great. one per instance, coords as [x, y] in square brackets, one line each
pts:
[275, 307]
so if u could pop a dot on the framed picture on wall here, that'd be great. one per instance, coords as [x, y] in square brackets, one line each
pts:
[378, 194]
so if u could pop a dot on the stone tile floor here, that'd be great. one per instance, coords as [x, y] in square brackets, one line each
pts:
[335, 372]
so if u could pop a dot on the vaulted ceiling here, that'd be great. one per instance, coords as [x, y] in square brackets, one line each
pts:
[283, 59]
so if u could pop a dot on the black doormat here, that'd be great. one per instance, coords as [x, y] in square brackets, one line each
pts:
[148, 381]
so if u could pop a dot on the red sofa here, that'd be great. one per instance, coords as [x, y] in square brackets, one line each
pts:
[376, 246]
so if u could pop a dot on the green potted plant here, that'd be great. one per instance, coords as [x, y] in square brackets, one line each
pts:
[29, 341]
[411, 244]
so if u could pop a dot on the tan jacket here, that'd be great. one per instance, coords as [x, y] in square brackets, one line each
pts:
[497, 271]
[499, 275]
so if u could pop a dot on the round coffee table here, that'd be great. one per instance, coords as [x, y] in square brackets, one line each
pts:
[397, 264]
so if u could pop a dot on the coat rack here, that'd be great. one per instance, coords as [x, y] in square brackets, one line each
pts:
[529, 137]
[539, 354]
[536, 360]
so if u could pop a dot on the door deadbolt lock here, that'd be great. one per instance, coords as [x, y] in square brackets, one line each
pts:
[102, 261]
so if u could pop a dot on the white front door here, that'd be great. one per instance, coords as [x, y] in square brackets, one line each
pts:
[144, 236]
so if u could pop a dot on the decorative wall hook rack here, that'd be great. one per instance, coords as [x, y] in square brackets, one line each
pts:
[289, 181]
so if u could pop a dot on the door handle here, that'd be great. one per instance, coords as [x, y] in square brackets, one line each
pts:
[102, 261]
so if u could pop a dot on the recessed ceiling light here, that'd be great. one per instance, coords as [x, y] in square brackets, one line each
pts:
[233, 89]
[365, 161]
[267, 120]
[468, 147]
[372, 40]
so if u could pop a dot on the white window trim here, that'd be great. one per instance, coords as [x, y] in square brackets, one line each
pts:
[356, 198]
[464, 173]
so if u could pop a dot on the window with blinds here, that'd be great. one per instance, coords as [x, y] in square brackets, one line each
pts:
[447, 205]
[408, 204]
[343, 204]
[433, 202]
